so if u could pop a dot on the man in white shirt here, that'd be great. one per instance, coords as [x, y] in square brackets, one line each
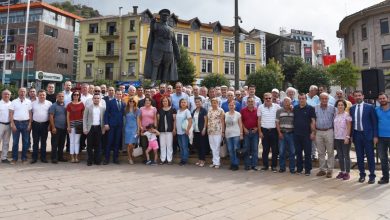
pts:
[20, 117]
[97, 91]
[268, 133]
[5, 129]
[195, 91]
[67, 92]
[85, 95]
[40, 124]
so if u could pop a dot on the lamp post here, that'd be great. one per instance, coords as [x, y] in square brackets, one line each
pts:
[237, 46]
[25, 43]
[5, 45]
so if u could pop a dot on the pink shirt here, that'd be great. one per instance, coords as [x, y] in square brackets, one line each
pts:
[147, 116]
[340, 125]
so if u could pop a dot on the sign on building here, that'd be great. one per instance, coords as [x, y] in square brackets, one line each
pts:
[44, 76]
[8, 56]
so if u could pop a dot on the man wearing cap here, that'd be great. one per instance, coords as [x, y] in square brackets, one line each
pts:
[162, 51]
[275, 96]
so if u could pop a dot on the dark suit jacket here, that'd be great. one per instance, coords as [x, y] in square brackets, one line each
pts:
[114, 116]
[369, 121]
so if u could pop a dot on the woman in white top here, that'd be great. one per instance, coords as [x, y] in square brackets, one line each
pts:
[215, 130]
[183, 126]
[233, 134]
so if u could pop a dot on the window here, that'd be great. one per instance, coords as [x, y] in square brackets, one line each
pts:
[386, 52]
[88, 69]
[132, 25]
[52, 32]
[62, 50]
[12, 48]
[229, 67]
[384, 26]
[182, 39]
[11, 64]
[353, 36]
[292, 48]
[364, 32]
[89, 46]
[207, 43]
[93, 28]
[365, 56]
[250, 68]
[207, 66]
[354, 57]
[229, 46]
[62, 66]
[131, 70]
[132, 44]
[249, 49]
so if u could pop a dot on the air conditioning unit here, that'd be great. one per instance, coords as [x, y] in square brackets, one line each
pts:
[100, 71]
[124, 73]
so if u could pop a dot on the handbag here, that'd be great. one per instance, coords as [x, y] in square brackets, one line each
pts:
[223, 152]
[79, 129]
[137, 151]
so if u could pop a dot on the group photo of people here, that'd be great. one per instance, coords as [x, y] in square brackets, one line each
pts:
[291, 130]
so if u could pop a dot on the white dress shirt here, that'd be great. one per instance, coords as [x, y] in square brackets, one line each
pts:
[361, 116]
[67, 97]
[84, 98]
[40, 110]
[4, 111]
[96, 115]
[21, 109]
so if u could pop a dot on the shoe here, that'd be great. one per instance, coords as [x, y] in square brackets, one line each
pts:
[197, 163]
[201, 164]
[313, 158]
[24, 161]
[264, 169]
[116, 162]
[247, 168]
[54, 161]
[44, 161]
[235, 168]
[63, 160]
[383, 181]
[321, 173]
[212, 166]
[340, 176]
[13, 162]
[292, 171]
[33, 161]
[105, 162]
[329, 174]
[307, 173]
[5, 161]
[362, 179]
[97, 163]
[231, 167]
[346, 176]
[182, 163]
[216, 167]
[131, 162]
[89, 164]
[282, 171]
[149, 162]
[255, 168]
[169, 163]
[371, 181]
[299, 172]
[76, 160]
[153, 163]
[73, 160]
[274, 170]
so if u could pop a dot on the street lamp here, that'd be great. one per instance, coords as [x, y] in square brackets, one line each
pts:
[5, 44]
[237, 46]
[25, 43]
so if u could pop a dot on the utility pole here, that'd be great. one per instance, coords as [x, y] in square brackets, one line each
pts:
[5, 45]
[25, 43]
[237, 47]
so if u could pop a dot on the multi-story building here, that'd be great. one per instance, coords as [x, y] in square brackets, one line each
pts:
[210, 46]
[306, 38]
[319, 51]
[50, 43]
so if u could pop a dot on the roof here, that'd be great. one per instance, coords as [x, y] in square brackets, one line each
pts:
[380, 8]
[23, 6]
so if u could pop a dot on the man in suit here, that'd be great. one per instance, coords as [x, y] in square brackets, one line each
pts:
[93, 128]
[364, 135]
[113, 122]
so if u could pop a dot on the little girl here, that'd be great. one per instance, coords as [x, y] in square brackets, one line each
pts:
[151, 133]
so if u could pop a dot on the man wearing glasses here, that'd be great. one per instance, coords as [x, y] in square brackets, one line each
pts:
[97, 91]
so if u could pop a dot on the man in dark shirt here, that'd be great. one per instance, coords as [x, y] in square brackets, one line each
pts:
[51, 95]
[57, 113]
[304, 133]
[141, 102]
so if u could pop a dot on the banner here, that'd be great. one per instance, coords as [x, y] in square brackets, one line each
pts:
[29, 53]
[329, 60]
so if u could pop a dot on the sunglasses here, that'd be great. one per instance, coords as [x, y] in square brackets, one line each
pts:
[97, 91]
[131, 101]
[267, 98]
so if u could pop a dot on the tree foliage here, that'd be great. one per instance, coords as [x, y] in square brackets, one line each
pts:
[11, 88]
[214, 80]
[344, 73]
[266, 78]
[185, 68]
[291, 66]
[108, 83]
[309, 75]
[80, 10]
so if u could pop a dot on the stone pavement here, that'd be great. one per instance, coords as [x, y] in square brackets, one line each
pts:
[75, 191]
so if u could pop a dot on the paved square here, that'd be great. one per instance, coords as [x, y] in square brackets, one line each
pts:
[75, 191]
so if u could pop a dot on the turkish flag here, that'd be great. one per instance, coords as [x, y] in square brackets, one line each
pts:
[329, 59]
[29, 52]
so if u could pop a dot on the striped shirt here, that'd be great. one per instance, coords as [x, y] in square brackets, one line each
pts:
[268, 115]
[324, 116]
[285, 119]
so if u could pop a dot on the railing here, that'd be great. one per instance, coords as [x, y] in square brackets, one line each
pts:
[105, 53]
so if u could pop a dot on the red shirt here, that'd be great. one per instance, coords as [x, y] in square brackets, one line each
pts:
[249, 118]
[157, 99]
[75, 111]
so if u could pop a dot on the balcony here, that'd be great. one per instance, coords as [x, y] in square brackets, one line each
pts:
[107, 54]
[109, 34]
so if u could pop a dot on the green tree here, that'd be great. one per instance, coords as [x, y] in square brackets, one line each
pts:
[13, 89]
[344, 73]
[185, 68]
[266, 78]
[291, 66]
[309, 75]
[108, 83]
[80, 10]
[215, 79]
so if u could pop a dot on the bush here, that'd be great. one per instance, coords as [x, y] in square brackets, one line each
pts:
[309, 75]
[108, 83]
[215, 79]
[13, 89]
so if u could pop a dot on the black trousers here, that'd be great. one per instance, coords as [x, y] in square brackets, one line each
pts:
[270, 141]
[39, 132]
[94, 144]
[200, 144]
[58, 142]
[83, 137]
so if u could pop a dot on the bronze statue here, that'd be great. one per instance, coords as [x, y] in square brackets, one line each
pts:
[162, 52]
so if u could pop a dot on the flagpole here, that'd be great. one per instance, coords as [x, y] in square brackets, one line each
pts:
[25, 43]
[5, 45]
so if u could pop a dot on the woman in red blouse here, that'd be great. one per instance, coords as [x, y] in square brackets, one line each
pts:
[74, 117]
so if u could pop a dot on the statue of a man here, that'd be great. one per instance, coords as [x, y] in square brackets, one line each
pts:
[162, 52]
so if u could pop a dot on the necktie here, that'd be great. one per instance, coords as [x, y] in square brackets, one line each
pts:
[119, 105]
[359, 126]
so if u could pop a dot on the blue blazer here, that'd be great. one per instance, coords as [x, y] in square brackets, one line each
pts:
[369, 121]
[114, 116]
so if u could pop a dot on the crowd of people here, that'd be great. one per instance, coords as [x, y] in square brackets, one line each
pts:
[166, 120]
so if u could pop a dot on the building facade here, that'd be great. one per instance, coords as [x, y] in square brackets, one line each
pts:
[306, 38]
[210, 46]
[50, 44]
[319, 51]
[279, 47]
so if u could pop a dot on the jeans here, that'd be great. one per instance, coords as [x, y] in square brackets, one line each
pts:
[303, 143]
[251, 145]
[94, 144]
[200, 143]
[183, 140]
[287, 144]
[21, 129]
[233, 143]
[343, 153]
[39, 133]
[58, 142]
[383, 149]
[270, 142]
[364, 147]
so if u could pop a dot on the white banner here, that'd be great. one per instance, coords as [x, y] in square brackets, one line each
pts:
[8, 56]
